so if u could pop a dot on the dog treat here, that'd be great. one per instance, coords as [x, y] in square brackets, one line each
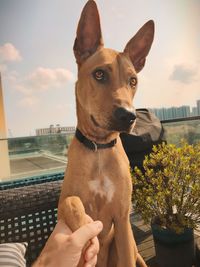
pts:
[73, 213]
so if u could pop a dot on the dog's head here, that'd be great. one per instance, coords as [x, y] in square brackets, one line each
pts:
[107, 79]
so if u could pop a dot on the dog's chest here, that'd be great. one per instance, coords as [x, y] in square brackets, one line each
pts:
[102, 187]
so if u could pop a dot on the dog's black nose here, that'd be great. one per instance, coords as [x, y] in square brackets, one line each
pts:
[124, 116]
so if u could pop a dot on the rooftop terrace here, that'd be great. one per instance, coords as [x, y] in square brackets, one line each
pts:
[42, 155]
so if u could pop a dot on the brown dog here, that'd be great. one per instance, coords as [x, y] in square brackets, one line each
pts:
[98, 168]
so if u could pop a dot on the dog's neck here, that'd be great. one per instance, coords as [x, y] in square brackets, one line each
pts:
[91, 144]
[97, 135]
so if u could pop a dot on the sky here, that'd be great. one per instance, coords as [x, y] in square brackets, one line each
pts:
[38, 67]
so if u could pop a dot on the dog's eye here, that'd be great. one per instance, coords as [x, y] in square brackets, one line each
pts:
[99, 75]
[133, 82]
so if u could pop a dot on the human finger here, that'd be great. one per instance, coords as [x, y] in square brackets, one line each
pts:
[86, 232]
[92, 249]
[92, 262]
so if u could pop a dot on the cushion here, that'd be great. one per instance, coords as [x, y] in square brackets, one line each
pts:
[12, 254]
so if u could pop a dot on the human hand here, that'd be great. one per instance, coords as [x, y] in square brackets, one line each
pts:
[64, 248]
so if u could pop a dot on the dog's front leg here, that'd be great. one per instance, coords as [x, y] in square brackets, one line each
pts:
[125, 243]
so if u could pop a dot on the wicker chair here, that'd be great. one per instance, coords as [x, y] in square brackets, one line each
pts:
[28, 211]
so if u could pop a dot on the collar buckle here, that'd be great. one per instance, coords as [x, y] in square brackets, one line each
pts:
[95, 146]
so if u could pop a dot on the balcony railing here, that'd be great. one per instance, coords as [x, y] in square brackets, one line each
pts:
[183, 128]
[35, 155]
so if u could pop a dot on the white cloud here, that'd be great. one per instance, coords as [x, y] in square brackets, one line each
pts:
[30, 87]
[8, 52]
[23, 89]
[161, 91]
[16, 83]
[184, 73]
[46, 78]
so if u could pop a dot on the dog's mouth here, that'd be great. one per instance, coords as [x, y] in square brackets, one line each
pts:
[123, 119]
[114, 125]
[121, 127]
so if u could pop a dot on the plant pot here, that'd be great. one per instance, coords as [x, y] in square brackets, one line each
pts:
[173, 250]
[198, 252]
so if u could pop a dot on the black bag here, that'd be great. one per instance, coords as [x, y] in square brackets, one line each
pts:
[148, 131]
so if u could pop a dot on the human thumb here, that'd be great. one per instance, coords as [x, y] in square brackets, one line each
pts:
[87, 232]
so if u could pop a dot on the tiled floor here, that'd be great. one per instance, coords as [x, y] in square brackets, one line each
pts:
[35, 165]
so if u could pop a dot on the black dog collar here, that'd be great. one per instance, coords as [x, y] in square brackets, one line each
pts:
[91, 144]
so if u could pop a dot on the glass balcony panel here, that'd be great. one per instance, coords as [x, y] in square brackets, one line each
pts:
[35, 155]
[47, 154]
[186, 128]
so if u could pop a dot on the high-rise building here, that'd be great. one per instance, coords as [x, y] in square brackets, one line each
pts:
[198, 107]
[183, 111]
[171, 113]
[194, 111]
[177, 112]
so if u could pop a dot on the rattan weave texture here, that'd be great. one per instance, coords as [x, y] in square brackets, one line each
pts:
[29, 213]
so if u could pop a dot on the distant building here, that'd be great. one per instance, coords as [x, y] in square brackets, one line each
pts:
[194, 111]
[183, 111]
[55, 130]
[198, 107]
[171, 113]
[177, 112]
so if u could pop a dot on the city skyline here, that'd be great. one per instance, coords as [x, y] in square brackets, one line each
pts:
[38, 66]
[184, 111]
[163, 113]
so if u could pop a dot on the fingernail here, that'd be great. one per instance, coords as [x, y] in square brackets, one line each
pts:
[99, 225]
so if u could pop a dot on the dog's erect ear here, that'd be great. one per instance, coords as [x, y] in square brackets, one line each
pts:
[138, 47]
[88, 36]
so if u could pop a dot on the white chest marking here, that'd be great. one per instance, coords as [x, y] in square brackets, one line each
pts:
[104, 188]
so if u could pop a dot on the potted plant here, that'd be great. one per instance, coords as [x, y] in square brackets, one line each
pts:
[167, 195]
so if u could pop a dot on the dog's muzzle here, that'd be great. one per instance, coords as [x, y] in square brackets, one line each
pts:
[123, 119]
